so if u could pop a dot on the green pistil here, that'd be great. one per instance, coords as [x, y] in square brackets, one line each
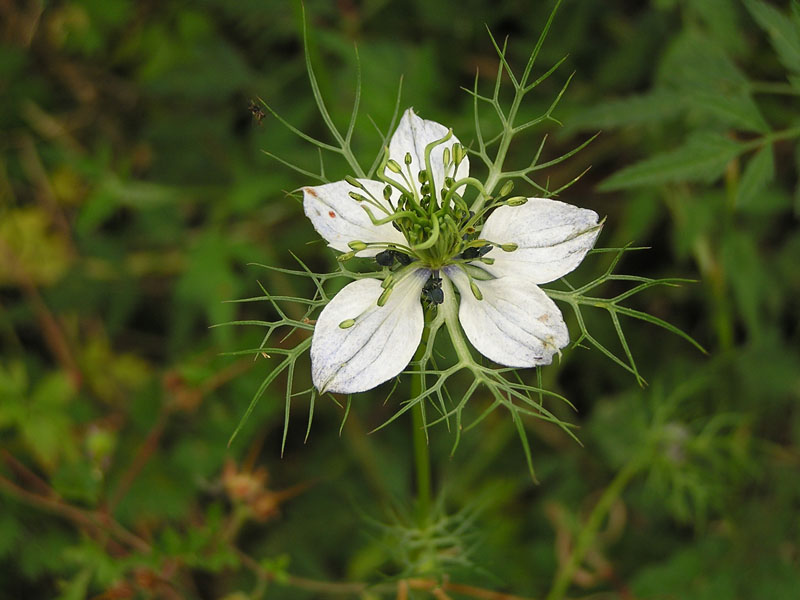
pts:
[472, 285]
[393, 217]
[392, 279]
[436, 223]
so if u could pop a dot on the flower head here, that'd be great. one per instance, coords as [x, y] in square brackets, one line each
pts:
[482, 262]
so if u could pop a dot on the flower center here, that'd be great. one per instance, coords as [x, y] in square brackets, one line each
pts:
[430, 211]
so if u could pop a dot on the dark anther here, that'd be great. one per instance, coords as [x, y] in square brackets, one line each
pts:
[385, 258]
[473, 252]
[432, 290]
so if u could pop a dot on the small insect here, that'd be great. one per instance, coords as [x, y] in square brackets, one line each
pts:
[432, 290]
[387, 258]
[257, 112]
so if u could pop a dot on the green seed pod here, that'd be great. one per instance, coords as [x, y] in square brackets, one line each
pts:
[508, 186]
[354, 182]
[508, 247]
[423, 176]
[345, 256]
[347, 323]
[458, 154]
[516, 201]
[446, 156]
[357, 246]
[393, 166]
[356, 196]
[475, 291]
[387, 192]
[407, 158]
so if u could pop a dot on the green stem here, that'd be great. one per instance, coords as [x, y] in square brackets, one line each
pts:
[450, 311]
[496, 170]
[422, 459]
[773, 87]
[771, 137]
[589, 532]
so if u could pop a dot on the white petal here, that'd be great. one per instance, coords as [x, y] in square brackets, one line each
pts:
[552, 238]
[340, 219]
[411, 137]
[515, 324]
[380, 343]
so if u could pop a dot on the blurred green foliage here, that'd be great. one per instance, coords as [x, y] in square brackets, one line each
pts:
[133, 193]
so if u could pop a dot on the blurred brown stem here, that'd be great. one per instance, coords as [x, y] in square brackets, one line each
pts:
[144, 453]
[23, 471]
[437, 588]
[53, 334]
[102, 524]
[29, 158]
[151, 441]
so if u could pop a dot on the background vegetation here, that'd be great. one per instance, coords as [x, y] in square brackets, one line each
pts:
[133, 193]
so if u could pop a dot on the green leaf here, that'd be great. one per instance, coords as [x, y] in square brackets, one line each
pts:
[749, 278]
[47, 427]
[77, 480]
[77, 587]
[32, 246]
[757, 174]
[784, 33]
[654, 106]
[735, 109]
[690, 573]
[10, 532]
[702, 73]
[722, 19]
[693, 61]
[703, 158]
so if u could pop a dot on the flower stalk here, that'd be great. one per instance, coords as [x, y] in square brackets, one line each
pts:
[422, 459]
[588, 533]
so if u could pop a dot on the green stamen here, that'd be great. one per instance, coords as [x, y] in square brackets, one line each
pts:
[385, 296]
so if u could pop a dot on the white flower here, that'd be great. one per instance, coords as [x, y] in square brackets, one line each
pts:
[417, 218]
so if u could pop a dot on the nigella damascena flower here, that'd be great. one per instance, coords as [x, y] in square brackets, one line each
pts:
[483, 265]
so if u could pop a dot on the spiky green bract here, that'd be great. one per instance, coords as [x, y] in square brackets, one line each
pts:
[451, 376]
[507, 116]
[488, 387]
[295, 328]
[442, 543]
[581, 298]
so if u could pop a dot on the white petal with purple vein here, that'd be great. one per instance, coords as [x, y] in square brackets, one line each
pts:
[380, 343]
[515, 324]
[552, 238]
